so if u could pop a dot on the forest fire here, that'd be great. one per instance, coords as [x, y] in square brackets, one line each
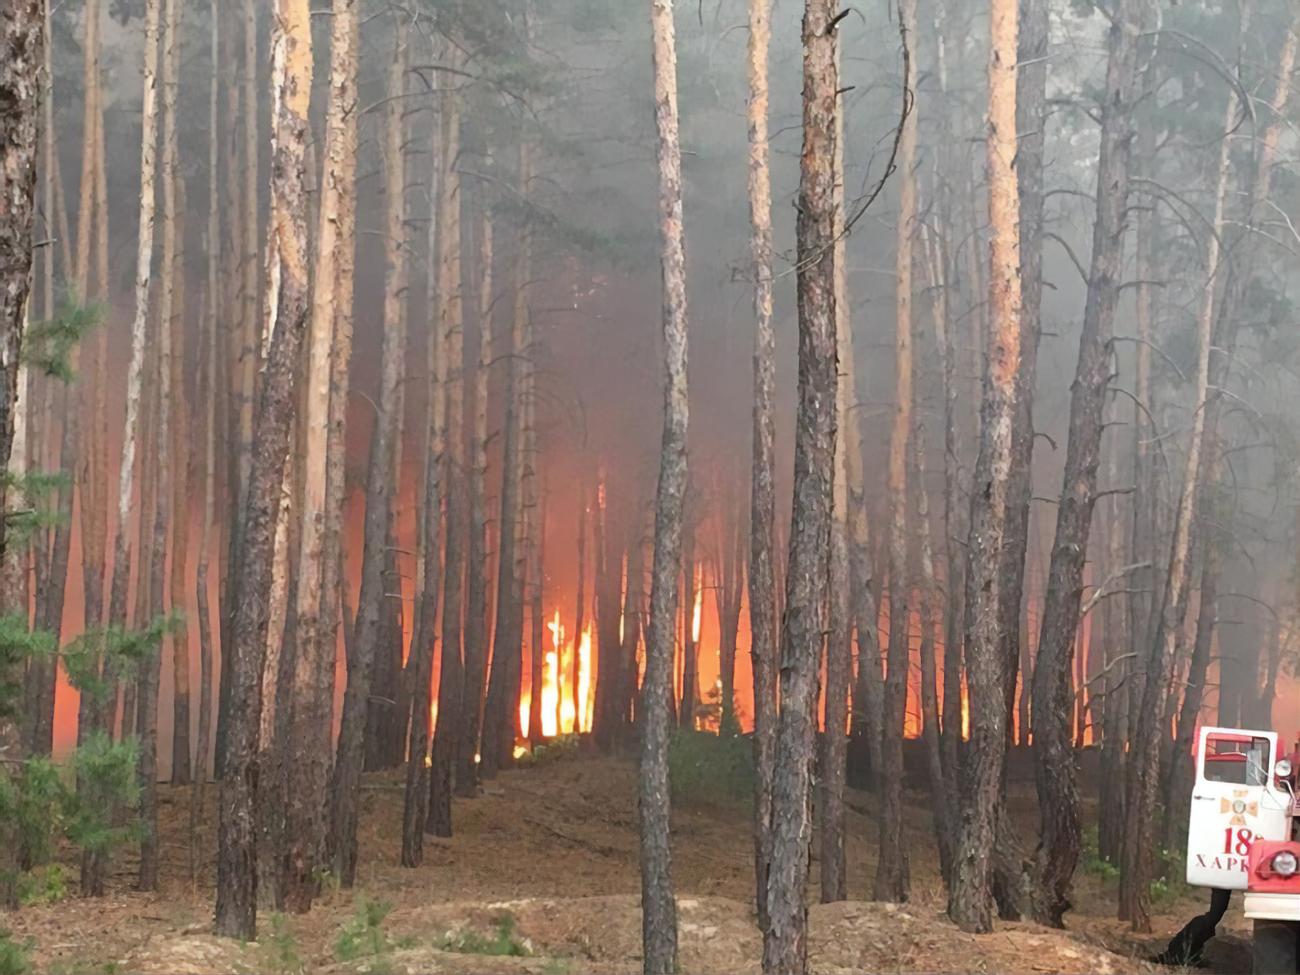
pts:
[565, 706]
[287, 488]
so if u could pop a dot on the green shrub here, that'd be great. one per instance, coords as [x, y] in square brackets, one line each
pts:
[14, 957]
[106, 773]
[280, 948]
[707, 768]
[1092, 861]
[44, 885]
[363, 937]
[502, 943]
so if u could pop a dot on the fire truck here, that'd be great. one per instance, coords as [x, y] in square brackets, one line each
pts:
[1243, 835]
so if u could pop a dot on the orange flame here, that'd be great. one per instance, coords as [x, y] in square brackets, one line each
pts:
[584, 681]
[560, 712]
[699, 611]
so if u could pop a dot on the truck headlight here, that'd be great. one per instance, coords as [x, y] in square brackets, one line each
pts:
[1284, 864]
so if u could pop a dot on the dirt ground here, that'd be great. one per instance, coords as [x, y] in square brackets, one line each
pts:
[542, 877]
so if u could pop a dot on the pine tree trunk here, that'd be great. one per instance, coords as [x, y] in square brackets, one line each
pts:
[659, 909]
[969, 903]
[608, 592]
[415, 805]
[1182, 772]
[236, 911]
[476, 623]
[311, 699]
[22, 39]
[1151, 732]
[1058, 849]
[951, 726]
[580, 617]
[358, 721]
[92, 867]
[450, 317]
[209, 359]
[1031, 120]
[930, 621]
[839, 644]
[180, 507]
[785, 941]
[501, 712]
[93, 473]
[892, 882]
[690, 661]
[147, 717]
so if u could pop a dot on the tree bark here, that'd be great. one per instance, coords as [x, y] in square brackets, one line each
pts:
[762, 507]
[415, 807]
[1058, 849]
[930, 621]
[969, 903]
[892, 881]
[476, 623]
[236, 912]
[22, 33]
[785, 941]
[501, 711]
[659, 910]
[147, 718]
[358, 719]
[179, 454]
[450, 315]
[1150, 733]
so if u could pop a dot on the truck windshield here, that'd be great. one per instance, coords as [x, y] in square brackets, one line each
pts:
[1236, 759]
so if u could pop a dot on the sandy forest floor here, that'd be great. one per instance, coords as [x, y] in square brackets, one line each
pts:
[542, 878]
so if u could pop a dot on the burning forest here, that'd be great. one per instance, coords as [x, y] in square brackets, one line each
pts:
[489, 477]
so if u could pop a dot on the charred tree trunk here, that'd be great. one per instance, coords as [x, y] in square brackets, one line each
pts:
[785, 941]
[969, 903]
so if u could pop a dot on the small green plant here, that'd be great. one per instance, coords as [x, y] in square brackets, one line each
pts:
[280, 948]
[44, 885]
[1169, 884]
[707, 768]
[503, 941]
[556, 966]
[48, 345]
[106, 773]
[14, 956]
[363, 937]
[1092, 860]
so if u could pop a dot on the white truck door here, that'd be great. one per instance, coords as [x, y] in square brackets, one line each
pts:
[1233, 802]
